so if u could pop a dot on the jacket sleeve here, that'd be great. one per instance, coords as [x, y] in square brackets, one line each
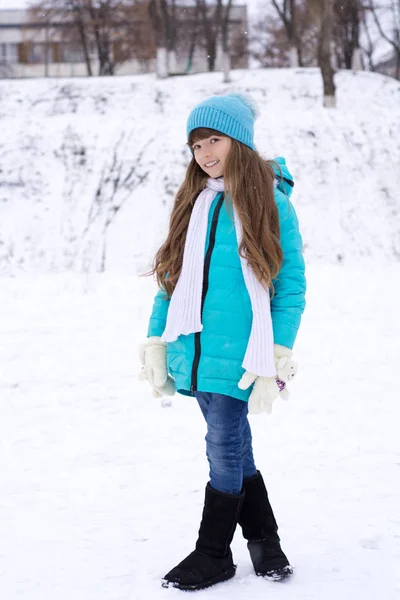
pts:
[159, 314]
[288, 303]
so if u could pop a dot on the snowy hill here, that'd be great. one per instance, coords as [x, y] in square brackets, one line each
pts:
[73, 151]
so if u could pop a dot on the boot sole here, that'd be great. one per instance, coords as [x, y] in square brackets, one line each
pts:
[284, 573]
[224, 576]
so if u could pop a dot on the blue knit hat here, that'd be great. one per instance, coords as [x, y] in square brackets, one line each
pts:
[232, 115]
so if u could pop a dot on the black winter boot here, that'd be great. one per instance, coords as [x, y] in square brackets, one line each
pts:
[261, 530]
[211, 561]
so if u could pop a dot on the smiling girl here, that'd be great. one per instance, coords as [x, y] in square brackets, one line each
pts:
[223, 325]
[211, 153]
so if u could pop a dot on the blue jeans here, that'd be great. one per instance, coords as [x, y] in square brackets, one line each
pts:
[228, 441]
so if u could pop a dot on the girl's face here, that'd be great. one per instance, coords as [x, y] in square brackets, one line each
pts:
[211, 154]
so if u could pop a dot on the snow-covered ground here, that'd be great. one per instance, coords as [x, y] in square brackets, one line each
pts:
[73, 151]
[101, 487]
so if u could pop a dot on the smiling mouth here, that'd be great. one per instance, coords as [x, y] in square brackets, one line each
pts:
[211, 164]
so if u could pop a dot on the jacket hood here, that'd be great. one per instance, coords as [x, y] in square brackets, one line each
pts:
[283, 178]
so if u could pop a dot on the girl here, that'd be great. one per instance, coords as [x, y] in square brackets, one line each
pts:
[231, 279]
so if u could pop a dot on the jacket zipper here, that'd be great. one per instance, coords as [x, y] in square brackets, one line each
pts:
[206, 272]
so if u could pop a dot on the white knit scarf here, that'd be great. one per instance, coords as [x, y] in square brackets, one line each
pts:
[184, 313]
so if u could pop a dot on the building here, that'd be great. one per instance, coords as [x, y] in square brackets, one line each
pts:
[36, 45]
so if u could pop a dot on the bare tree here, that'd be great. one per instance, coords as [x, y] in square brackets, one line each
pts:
[287, 11]
[226, 61]
[347, 16]
[325, 8]
[163, 16]
[110, 23]
[211, 18]
[193, 32]
[159, 20]
[66, 19]
[270, 44]
[238, 46]
[99, 13]
[369, 43]
[139, 42]
[93, 26]
[172, 38]
[215, 18]
[78, 17]
[392, 8]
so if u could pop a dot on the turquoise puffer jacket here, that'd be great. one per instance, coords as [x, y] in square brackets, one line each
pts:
[211, 361]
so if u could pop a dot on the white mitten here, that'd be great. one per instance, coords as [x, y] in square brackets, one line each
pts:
[286, 368]
[153, 356]
[263, 394]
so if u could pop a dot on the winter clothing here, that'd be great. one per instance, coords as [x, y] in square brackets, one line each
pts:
[232, 115]
[153, 356]
[212, 360]
[228, 441]
[211, 561]
[261, 530]
[184, 313]
[286, 367]
[267, 389]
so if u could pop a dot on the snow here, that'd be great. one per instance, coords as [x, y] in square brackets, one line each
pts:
[101, 485]
[69, 145]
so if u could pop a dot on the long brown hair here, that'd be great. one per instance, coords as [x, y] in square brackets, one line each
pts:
[248, 183]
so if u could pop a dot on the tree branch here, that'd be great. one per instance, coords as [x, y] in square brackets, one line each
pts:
[395, 45]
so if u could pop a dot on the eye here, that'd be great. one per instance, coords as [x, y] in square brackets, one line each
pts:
[214, 140]
[195, 147]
